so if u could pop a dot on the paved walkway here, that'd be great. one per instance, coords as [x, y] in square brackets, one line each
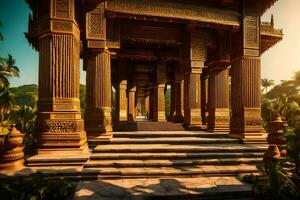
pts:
[163, 188]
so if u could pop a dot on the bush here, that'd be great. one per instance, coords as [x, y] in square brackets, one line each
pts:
[36, 187]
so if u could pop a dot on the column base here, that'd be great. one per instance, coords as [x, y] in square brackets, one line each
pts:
[160, 117]
[195, 127]
[178, 119]
[84, 149]
[219, 121]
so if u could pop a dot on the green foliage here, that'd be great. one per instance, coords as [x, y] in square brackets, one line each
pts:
[35, 187]
[274, 183]
[292, 135]
[82, 98]
[25, 94]
[266, 83]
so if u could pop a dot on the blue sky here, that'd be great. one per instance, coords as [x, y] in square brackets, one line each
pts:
[278, 63]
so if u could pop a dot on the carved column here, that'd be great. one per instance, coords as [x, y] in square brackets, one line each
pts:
[152, 102]
[98, 94]
[121, 92]
[159, 114]
[246, 120]
[195, 56]
[218, 119]
[59, 127]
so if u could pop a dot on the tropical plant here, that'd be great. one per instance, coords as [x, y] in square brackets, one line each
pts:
[266, 83]
[7, 70]
[36, 187]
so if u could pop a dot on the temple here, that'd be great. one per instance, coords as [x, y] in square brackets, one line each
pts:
[206, 52]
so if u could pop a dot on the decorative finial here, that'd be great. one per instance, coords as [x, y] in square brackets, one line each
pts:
[272, 20]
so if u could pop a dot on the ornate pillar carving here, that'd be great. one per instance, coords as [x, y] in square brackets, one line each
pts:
[59, 127]
[159, 114]
[246, 120]
[218, 106]
[121, 92]
[98, 94]
[194, 56]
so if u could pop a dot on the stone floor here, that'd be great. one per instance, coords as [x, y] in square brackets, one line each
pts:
[164, 188]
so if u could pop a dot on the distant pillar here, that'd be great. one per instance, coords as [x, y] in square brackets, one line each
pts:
[195, 56]
[59, 126]
[203, 99]
[179, 97]
[131, 103]
[98, 94]
[218, 106]
[147, 104]
[159, 113]
[246, 120]
[173, 98]
[121, 93]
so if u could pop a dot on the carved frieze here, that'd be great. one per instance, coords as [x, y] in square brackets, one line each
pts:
[175, 10]
[96, 23]
[60, 126]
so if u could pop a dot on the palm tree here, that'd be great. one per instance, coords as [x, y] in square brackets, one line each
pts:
[7, 70]
[266, 83]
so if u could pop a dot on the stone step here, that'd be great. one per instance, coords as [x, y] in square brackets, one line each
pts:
[156, 134]
[166, 155]
[167, 163]
[196, 170]
[179, 148]
[192, 188]
[168, 140]
[57, 160]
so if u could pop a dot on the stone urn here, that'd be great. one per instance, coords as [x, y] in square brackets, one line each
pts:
[275, 136]
[12, 150]
[272, 153]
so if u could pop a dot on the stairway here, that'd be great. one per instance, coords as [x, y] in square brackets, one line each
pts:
[150, 154]
[147, 126]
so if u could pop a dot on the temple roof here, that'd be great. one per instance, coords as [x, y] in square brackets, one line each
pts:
[266, 4]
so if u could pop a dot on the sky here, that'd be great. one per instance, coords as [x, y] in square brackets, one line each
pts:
[278, 63]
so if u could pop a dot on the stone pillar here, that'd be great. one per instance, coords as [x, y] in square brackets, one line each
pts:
[203, 99]
[179, 97]
[98, 94]
[195, 56]
[173, 101]
[131, 103]
[59, 126]
[147, 104]
[121, 93]
[246, 121]
[219, 117]
[152, 103]
[159, 114]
